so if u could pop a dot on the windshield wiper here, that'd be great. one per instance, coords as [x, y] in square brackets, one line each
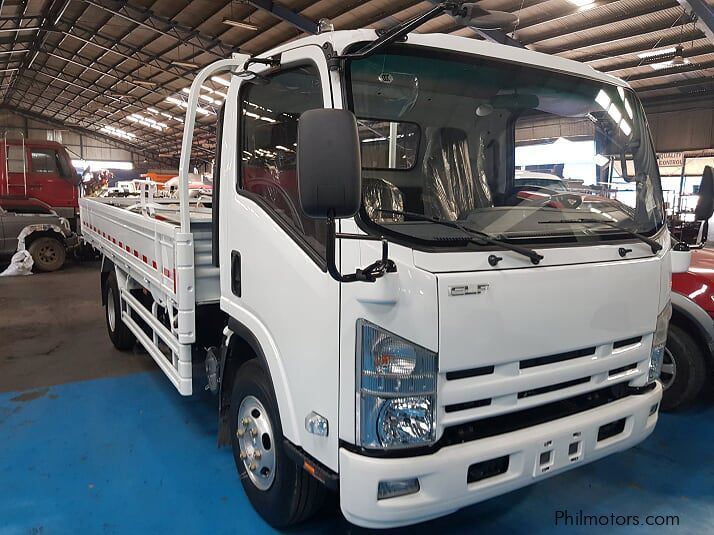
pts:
[534, 257]
[654, 245]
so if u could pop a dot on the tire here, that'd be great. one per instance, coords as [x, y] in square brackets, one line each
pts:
[286, 494]
[683, 370]
[120, 335]
[48, 254]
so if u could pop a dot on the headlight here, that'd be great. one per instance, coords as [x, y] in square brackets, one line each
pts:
[396, 390]
[64, 224]
[658, 342]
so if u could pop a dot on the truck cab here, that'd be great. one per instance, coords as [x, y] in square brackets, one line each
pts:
[40, 170]
[471, 369]
[388, 317]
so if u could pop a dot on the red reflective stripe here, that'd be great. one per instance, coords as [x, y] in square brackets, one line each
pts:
[153, 264]
[136, 253]
[121, 245]
[143, 257]
[128, 249]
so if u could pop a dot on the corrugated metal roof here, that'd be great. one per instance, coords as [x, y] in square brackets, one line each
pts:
[94, 62]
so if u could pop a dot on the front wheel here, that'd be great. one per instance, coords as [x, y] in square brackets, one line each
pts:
[683, 369]
[48, 254]
[282, 492]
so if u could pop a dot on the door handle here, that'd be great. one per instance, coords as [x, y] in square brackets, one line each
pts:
[235, 274]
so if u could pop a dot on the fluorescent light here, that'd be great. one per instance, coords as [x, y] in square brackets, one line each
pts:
[238, 24]
[187, 64]
[625, 127]
[221, 81]
[118, 132]
[656, 53]
[14, 52]
[669, 64]
[152, 110]
[583, 3]
[144, 83]
[207, 98]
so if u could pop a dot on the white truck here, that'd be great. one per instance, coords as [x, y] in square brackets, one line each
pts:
[491, 342]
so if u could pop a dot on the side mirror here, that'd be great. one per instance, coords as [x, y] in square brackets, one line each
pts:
[681, 258]
[329, 167]
[705, 205]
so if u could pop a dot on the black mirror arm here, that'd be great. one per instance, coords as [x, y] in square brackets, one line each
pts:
[371, 273]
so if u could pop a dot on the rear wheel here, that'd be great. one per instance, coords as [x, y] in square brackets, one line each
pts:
[683, 369]
[119, 333]
[48, 254]
[282, 492]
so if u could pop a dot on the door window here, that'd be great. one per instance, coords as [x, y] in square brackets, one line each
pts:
[45, 161]
[268, 126]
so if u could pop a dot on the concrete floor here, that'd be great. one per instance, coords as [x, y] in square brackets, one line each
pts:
[52, 331]
[94, 440]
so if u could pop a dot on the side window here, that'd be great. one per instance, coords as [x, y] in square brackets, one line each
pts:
[15, 159]
[45, 161]
[268, 130]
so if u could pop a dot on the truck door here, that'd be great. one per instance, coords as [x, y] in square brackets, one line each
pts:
[49, 179]
[272, 258]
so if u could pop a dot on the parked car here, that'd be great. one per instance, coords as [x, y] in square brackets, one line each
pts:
[31, 224]
[689, 354]
[540, 181]
[41, 170]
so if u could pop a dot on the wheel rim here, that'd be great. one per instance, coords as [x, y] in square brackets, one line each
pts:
[255, 442]
[111, 314]
[47, 254]
[669, 369]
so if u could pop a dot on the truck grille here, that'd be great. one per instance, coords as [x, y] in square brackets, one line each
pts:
[491, 390]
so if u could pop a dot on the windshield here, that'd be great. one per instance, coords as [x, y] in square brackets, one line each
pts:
[500, 147]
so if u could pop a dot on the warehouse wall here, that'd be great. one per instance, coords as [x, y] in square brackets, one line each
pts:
[79, 146]
[682, 124]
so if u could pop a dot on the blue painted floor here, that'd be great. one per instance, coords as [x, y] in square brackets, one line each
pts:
[129, 455]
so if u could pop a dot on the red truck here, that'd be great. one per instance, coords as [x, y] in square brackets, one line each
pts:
[41, 170]
[689, 354]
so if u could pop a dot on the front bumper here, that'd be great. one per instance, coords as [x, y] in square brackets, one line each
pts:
[443, 475]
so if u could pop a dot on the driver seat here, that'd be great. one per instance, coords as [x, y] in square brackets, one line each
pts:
[451, 192]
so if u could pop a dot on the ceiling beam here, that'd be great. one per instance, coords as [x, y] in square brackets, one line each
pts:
[689, 67]
[574, 19]
[690, 82]
[163, 26]
[704, 13]
[281, 12]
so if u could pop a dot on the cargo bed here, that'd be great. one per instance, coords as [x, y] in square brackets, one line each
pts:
[145, 243]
